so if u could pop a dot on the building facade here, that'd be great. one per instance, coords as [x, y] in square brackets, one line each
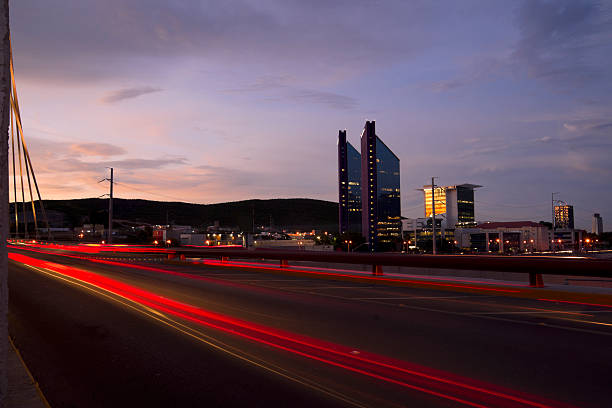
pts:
[515, 236]
[380, 191]
[597, 226]
[454, 203]
[349, 186]
[568, 238]
[564, 216]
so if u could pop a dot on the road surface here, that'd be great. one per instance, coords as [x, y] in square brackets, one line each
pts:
[118, 334]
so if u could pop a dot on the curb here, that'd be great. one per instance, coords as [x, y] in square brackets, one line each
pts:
[39, 392]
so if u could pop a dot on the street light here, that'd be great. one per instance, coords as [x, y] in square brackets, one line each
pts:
[348, 245]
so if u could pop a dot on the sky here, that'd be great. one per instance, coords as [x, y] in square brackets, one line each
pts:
[213, 101]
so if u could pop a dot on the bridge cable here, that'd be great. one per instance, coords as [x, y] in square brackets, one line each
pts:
[14, 173]
[23, 207]
[27, 167]
[28, 160]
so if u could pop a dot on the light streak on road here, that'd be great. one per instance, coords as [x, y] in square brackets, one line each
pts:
[361, 277]
[230, 263]
[436, 383]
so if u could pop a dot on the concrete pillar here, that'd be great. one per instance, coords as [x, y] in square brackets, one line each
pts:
[487, 240]
[501, 241]
[5, 76]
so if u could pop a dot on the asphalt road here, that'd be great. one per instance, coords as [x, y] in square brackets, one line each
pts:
[188, 336]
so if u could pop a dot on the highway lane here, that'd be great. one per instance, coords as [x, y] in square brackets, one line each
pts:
[555, 351]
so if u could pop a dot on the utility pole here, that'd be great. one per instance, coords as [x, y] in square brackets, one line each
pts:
[433, 215]
[110, 209]
[253, 219]
[5, 75]
[109, 239]
[552, 209]
[415, 236]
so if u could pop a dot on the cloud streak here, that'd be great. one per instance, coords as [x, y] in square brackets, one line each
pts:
[97, 149]
[128, 93]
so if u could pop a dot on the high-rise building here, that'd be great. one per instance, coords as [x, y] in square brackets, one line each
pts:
[349, 186]
[597, 227]
[455, 203]
[380, 191]
[564, 216]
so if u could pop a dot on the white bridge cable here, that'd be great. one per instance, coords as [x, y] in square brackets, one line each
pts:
[26, 155]
[15, 206]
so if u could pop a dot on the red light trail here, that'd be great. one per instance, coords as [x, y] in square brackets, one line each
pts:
[95, 248]
[345, 275]
[575, 303]
[443, 385]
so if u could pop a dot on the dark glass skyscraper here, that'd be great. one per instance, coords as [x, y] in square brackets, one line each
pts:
[465, 206]
[380, 193]
[349, 183]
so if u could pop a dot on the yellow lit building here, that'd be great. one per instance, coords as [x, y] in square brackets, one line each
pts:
[439, 197]
[455, 202]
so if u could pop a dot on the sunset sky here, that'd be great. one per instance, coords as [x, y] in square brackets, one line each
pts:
[212, 101]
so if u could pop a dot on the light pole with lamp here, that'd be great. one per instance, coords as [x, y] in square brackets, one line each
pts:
[348, 245]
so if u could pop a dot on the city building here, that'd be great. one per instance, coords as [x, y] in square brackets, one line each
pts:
[597, 227]
[349, 186]
[380, 191]
[454, 203]
[564, 216]
[162, 233]
[417, 232]
[516, 236]
[568, 238]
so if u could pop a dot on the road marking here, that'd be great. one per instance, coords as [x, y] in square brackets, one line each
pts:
[323, 287]
[204, 338]
[488, 317]
[530, 312]
[411, 297]
[271, 280]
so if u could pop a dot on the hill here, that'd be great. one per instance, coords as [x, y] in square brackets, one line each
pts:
[292, 213]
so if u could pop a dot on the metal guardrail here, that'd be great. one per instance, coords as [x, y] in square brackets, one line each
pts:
[535, 266]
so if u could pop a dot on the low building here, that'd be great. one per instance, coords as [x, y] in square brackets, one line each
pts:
[514, 236]
[212, 239]
[568, 238]
[162, 233]
[417, 232]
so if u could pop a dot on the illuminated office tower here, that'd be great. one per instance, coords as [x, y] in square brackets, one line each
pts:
[564, 216]
[454, 203]
[380, 191]
[349, 186]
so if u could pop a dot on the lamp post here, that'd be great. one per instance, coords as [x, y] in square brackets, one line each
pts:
[348, 245]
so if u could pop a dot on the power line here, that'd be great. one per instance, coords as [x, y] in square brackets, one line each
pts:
[513, 205]
[144, 191]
